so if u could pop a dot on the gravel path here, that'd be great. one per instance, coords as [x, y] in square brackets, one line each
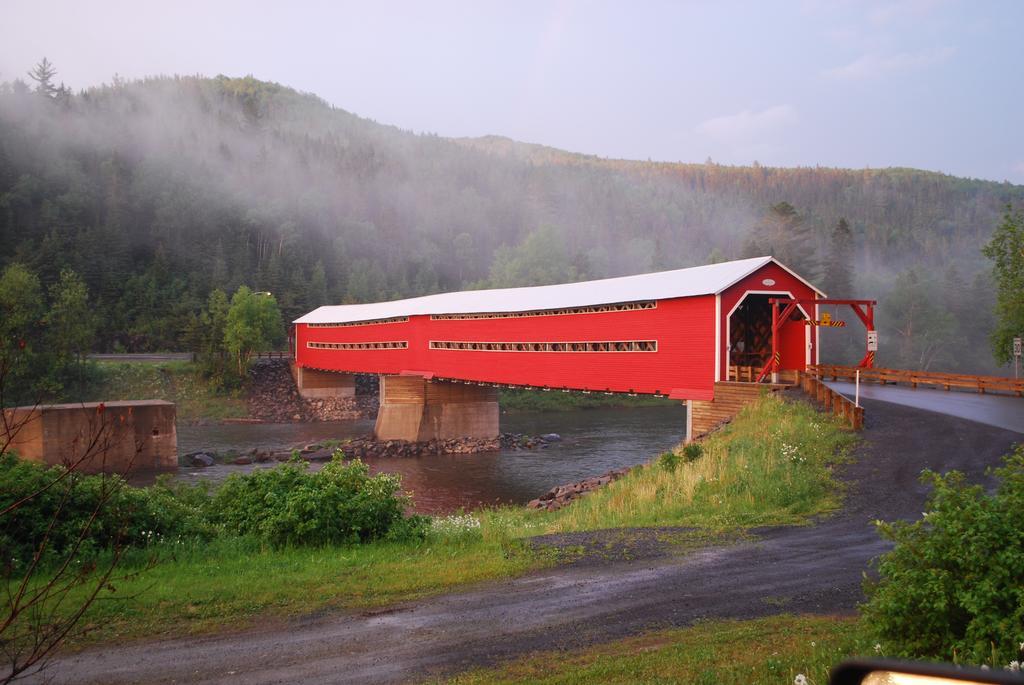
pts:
[796, 569]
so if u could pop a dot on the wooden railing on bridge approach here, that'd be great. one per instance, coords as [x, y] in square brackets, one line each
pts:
[981, 384]
[834, 402]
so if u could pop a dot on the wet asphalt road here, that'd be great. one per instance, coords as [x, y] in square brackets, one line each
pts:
[1003, 411]
[802, 569]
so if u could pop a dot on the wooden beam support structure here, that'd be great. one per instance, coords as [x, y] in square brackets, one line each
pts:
[866, 315]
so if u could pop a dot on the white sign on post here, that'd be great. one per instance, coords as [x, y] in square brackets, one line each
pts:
[1016, 357]
[872, 341]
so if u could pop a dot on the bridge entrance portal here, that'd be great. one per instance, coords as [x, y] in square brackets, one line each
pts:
[750, 336]
[750, 327]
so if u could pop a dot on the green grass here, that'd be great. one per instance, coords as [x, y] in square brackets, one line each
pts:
[769, 651]
[232, 582]
[539, 400]
[178, 382]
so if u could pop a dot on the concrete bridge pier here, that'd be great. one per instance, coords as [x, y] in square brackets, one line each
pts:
[416, 409]
[316, 384]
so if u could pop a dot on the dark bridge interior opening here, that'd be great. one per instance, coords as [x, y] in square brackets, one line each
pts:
[750, 332]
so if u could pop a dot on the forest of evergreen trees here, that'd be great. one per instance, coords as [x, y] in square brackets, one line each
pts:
[158, 192]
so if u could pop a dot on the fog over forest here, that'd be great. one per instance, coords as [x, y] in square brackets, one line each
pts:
[158, 191]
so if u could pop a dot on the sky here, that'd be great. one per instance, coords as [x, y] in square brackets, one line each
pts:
[931, 84]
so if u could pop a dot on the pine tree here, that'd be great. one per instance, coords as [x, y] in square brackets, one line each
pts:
[1006, 249]
[43, 74]
[317, 287]
[838, 272]
[783, 234]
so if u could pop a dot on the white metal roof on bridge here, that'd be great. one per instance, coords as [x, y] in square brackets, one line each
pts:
[698, 280]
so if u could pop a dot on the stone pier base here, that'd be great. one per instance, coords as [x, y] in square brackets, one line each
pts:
[315, 384]
[110, 437]
[416, 409]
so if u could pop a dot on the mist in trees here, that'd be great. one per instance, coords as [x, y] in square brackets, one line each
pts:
[784, 234]
[159, 192]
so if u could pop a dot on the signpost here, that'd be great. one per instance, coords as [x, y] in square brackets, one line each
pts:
[1016, 356]
[872, 341]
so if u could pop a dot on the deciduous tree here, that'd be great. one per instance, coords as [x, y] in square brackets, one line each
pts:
[253, 324]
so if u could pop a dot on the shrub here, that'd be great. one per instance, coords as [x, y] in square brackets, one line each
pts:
[692, 451]
[953, 586]
[128, 516]
[668, 461]
[289, 505]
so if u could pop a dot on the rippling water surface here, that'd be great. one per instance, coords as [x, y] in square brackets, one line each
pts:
[593, 442]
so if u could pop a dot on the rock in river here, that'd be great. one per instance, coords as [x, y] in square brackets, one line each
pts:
[200, 459]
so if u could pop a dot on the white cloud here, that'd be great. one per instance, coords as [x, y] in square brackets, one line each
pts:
[873, 65]
[748, 126]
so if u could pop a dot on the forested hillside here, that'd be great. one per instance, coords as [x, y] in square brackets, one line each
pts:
[158, 191]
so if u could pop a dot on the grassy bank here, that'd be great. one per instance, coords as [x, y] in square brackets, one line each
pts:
[772, 465]
[178, 382]
[539, 400]
[764, 651]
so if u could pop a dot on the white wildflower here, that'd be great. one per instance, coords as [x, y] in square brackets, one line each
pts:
[878, 648]
[1013, 666]
[455, 525]
[800, 679]
[984, 667]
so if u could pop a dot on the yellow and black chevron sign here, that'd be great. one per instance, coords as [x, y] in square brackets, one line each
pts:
[826, 320]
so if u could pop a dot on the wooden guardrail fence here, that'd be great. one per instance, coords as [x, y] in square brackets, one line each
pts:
[946, 381]
[273, 354]
[835, 403]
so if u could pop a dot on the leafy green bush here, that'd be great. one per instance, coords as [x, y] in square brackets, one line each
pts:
[953, 586]
[340, 504]
[101, 510]
[692, 451]
[668, 461]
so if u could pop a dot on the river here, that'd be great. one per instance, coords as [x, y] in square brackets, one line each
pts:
[593, 442]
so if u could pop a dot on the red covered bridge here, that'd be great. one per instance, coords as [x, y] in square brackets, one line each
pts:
[685, 334]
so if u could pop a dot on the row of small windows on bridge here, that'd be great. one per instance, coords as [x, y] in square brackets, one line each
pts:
[602, 346]
[589, 346]
[594, 309]
[389, 345]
